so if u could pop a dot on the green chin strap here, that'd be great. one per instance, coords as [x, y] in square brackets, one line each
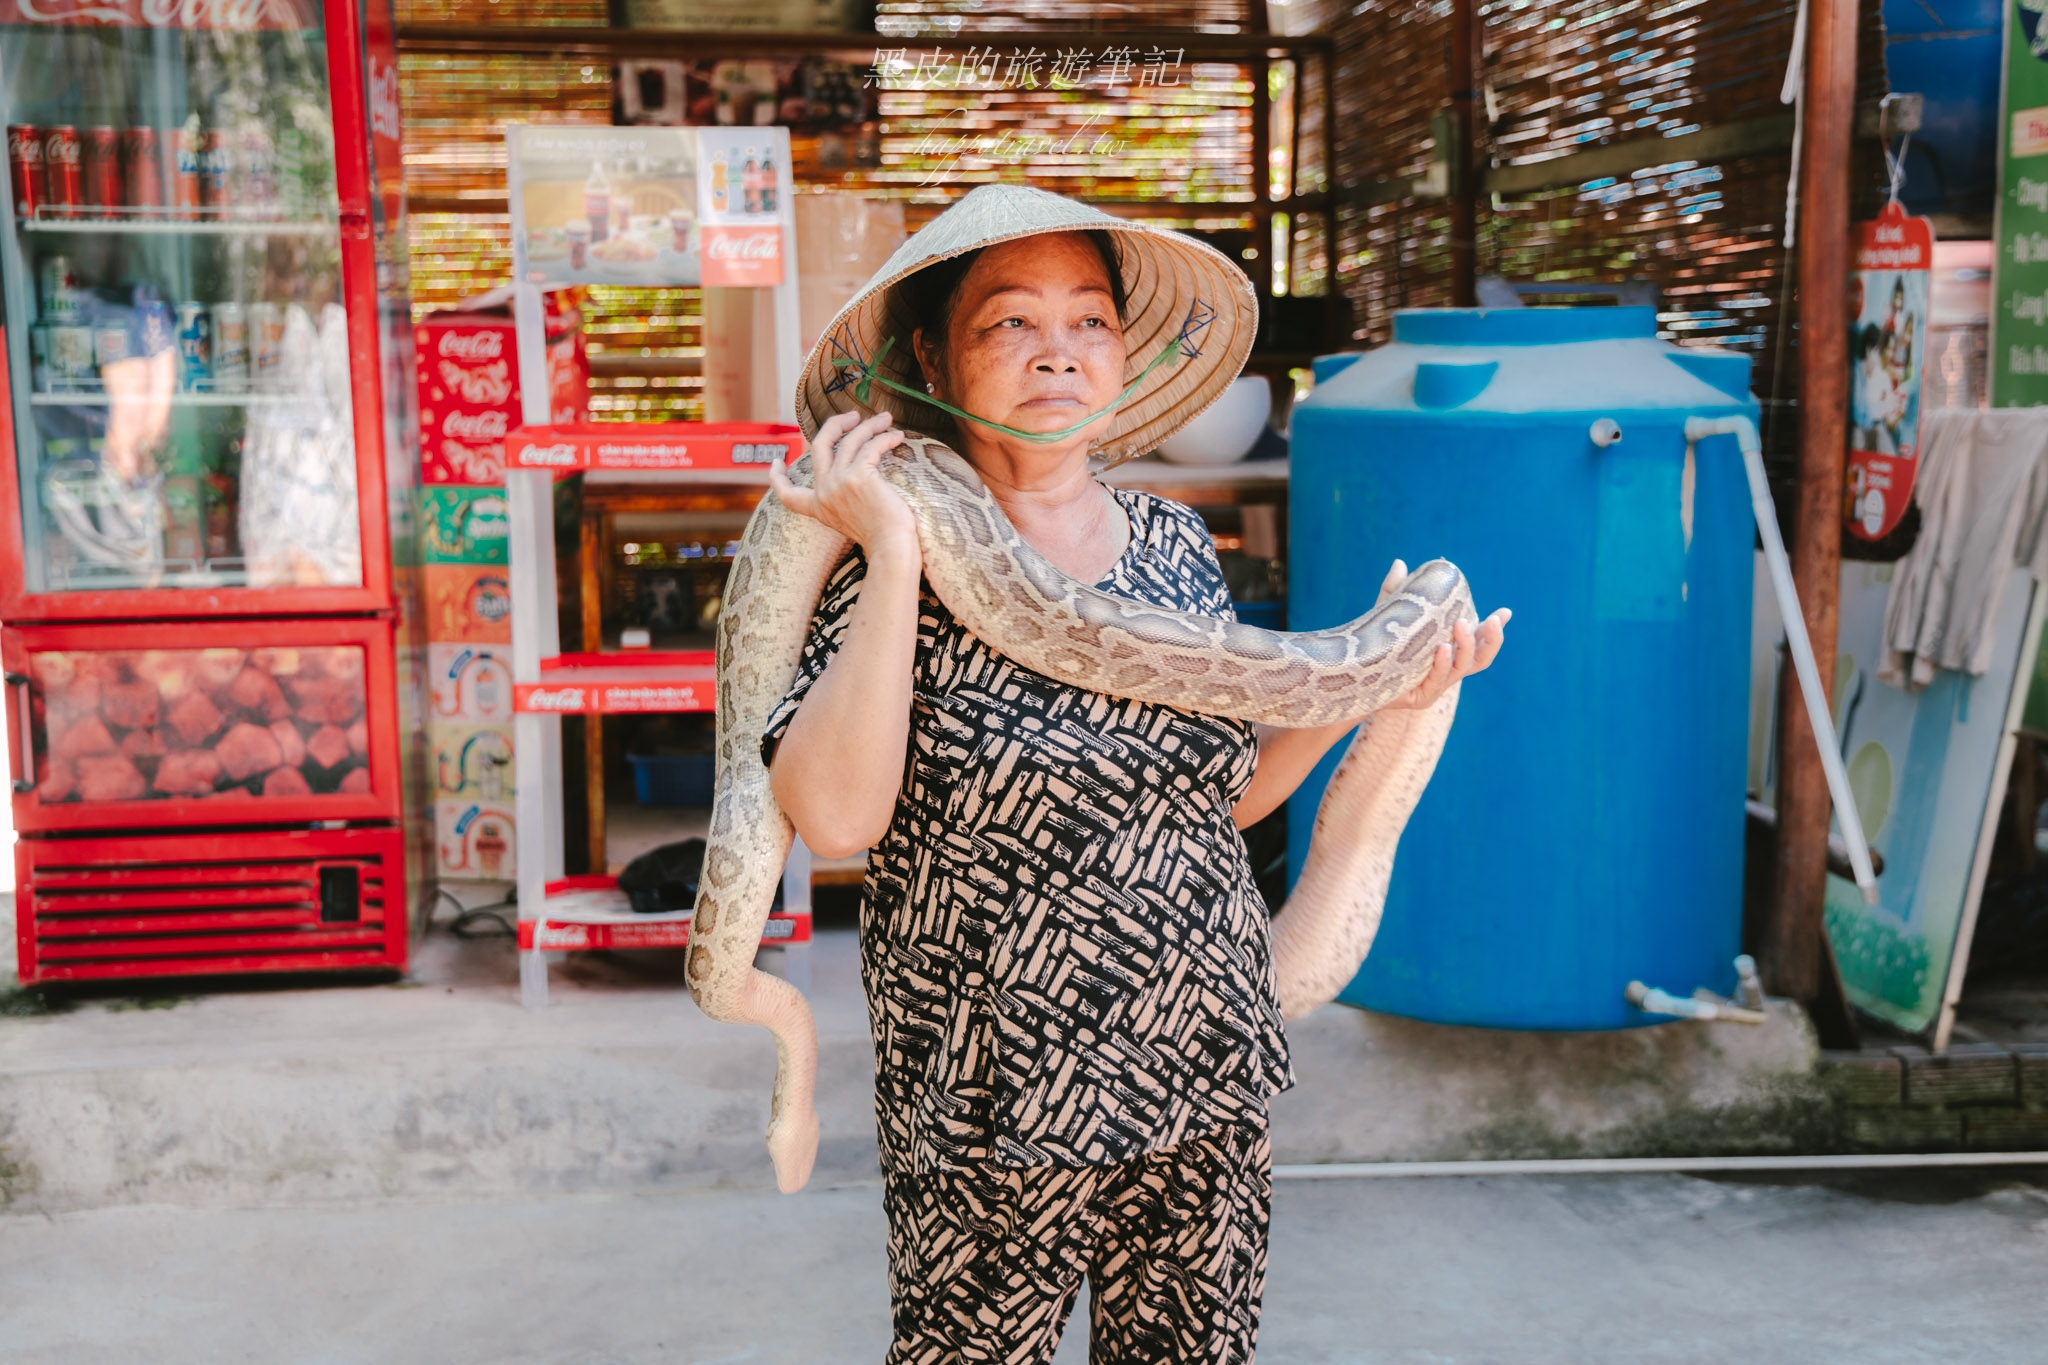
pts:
[871, 374]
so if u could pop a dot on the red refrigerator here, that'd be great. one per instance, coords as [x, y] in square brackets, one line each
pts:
[207, 586]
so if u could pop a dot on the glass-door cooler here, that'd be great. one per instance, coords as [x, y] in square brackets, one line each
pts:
[202, 512]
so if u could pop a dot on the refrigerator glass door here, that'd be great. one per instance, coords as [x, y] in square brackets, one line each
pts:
[177, 340]
[247, 722]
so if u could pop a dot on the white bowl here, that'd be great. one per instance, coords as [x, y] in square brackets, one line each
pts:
[1227, 431]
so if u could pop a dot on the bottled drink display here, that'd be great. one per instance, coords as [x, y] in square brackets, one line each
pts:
[171, 271]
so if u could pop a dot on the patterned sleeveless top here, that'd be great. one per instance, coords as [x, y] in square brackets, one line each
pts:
[1066, 959]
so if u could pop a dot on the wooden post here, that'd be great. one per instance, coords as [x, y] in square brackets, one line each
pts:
[1260, 266]
[1792, 962]
[1464, 153]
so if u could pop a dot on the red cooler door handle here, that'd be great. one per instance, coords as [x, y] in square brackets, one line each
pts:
[23, 755]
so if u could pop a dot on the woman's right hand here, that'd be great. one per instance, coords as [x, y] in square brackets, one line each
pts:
[848, 492]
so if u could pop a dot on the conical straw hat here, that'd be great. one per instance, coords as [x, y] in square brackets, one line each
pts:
[1173, 284]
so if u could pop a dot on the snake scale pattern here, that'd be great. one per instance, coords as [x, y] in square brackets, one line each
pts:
[1023, 607]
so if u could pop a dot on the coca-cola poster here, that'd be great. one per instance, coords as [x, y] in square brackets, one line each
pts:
[742, 197]
[648, 205]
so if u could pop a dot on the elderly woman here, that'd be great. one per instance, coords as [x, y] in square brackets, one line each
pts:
[1067, 963]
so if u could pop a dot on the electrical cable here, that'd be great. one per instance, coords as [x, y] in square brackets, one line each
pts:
[468, 916]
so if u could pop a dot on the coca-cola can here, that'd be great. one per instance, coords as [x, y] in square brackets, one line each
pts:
[100, 162]
[185, 170]
[230, 348]
[142, 169]
[216, 173]
[62, 183]
[25, 168]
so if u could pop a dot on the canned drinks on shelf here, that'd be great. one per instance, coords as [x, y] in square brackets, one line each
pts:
[109, 344]
[100, 166]
[25, 168]
[216, 173]
[185, 168]
[69, 352]
[266, 347]
[64, 186]
[57, 290]
[230, 348]
[184, 521]
[195, 348]
[142, 170]
[256, 159]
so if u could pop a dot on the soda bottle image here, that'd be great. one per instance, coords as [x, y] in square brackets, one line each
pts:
[750, 184]
[597, 203]
[768, 183]
[720, 196]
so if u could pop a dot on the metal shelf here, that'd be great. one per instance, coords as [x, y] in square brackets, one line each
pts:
[163, 227]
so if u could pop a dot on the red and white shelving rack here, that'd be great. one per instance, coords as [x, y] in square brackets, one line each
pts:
[559, 913]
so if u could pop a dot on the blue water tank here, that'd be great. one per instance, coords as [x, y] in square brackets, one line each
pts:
[1585, 825]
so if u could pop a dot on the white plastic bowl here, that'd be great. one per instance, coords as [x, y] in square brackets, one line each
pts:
[1228, 430]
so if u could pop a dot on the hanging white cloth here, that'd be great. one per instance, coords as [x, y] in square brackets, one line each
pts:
[1982, 488]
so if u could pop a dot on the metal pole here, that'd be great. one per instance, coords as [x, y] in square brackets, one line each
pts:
[1791, 951]
[1464, 152]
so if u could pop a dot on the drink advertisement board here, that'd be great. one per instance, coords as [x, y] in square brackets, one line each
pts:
[1887, 345]
[2019, 314]
[647, 205]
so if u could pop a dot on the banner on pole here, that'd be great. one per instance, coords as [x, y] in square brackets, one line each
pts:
[1888, 298]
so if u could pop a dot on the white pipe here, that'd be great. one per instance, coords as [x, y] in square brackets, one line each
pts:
[1650, 1000]
[1653, 1165]
[1744, 430]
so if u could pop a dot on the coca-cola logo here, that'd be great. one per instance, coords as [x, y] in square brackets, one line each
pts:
[475, 426]
[561, 456]
[554, 699]
[756, 246]
[488, 345]
[490, 385]
[383, 99]
[25, 144]
[61, 149]
[236, 15]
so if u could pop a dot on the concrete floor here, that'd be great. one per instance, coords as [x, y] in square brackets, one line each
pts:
[1576, 1271]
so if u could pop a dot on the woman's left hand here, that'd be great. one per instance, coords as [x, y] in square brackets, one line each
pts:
[1469, 652]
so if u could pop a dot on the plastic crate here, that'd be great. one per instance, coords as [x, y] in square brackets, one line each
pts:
[673, 779]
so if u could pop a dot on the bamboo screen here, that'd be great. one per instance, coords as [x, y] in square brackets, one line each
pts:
[1099, 119]
[1565, 77]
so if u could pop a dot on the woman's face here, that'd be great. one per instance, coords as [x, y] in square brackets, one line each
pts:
[1033, 341]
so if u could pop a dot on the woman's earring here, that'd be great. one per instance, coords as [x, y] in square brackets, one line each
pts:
[928, 388]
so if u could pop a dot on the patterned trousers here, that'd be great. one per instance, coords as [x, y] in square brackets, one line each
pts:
[984, 1264]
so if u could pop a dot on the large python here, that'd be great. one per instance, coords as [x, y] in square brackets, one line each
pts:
[1020, 605]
